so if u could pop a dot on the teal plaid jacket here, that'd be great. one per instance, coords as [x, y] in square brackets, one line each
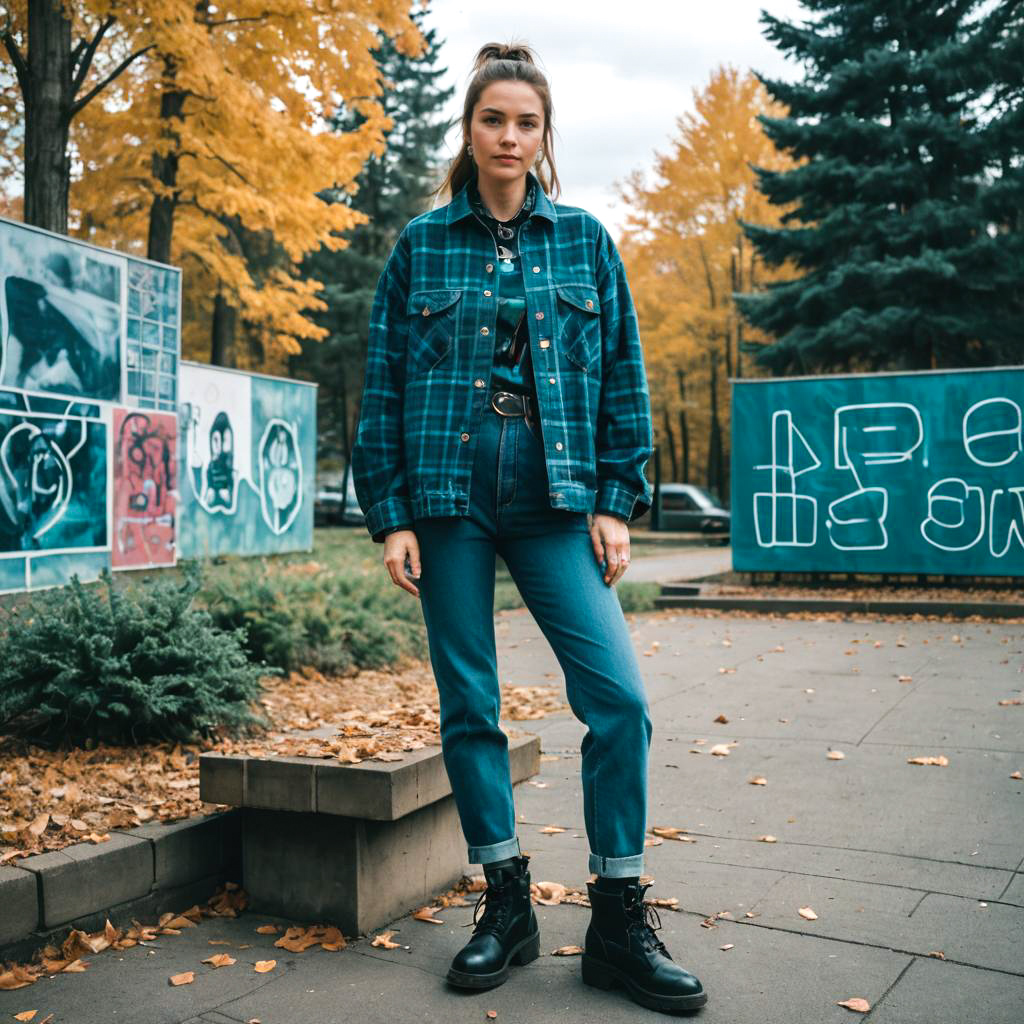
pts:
[431, 346]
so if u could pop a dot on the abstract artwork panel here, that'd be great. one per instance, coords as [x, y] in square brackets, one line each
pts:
[145, 490]
[246, 449]
[891, 472]
[53, 489]
[60, 314]
[152, 332]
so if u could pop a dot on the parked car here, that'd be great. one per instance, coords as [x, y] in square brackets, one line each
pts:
[687, 507]
[327, 506]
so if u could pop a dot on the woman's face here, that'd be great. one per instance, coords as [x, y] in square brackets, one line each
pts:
[508, 121]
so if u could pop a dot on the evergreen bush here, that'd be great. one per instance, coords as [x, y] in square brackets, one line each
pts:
[137, 667]
[335, 620]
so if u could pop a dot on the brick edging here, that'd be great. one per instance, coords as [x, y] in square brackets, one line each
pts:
[138, 871]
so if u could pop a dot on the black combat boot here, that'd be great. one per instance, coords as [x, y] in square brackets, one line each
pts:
[621, 948]
[507, 930]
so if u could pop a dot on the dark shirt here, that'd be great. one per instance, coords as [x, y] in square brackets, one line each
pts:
[512, 369]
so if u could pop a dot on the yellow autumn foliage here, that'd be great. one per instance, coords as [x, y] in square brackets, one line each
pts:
[685, 253]
[256, 84]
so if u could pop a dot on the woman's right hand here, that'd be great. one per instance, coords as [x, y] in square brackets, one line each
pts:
[399, 546]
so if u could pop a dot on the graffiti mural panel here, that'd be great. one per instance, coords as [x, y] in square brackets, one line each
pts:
[890, 472]
[60, 314]
[145, 493]
[54, 485]
[247, 445]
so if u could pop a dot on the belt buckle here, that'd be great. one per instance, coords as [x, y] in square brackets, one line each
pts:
[498, 396]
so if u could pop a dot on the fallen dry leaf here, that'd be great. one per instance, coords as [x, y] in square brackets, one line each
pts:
[904, 679]
[939, 759]
[220, 960]
[185, 978]
[758, 780]
[856, 1003]
[767, 839]
[268, 929]
[427, 914]
[722, 719]
[728, 945]
[938, 954]
[384, 941]
[567, 951]
[672, 832]
[551, 830]
[548, 893]
[808, 913]
[263, 966]
[722, 749]
[1015, 775]
[835, 755]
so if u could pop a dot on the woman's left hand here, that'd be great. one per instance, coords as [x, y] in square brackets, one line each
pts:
[610, 537]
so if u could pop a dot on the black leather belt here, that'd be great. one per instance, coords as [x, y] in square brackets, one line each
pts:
[508, 403]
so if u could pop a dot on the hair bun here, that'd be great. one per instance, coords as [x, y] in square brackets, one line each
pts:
[503, 51]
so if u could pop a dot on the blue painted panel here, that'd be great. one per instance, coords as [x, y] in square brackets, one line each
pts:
[899, 473]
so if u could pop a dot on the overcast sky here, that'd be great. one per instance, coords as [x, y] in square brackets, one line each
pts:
[620, 74]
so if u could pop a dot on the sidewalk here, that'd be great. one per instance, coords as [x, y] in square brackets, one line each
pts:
[898, 861]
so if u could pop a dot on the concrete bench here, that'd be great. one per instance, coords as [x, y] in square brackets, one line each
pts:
[355, 845]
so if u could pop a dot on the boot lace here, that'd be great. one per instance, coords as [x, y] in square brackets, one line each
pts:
[495, 909]
[642, 914]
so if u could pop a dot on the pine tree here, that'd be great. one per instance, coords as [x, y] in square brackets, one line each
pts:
[907, 201]
[391, 189]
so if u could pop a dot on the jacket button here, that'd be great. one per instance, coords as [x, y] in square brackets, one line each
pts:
[487, 292]
[489, 267]
[536, 270]
[544, 342]
[478, 382]
[539, 316]
[558, 445]
[426, 311]
[551, 380]
[590, 303]
[484, 330]
[465, 437]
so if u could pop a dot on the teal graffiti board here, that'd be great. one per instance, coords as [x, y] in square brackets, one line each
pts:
[892, 472]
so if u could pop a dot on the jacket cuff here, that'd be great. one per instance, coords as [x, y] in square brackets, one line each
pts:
[614, 499]
[391, 513]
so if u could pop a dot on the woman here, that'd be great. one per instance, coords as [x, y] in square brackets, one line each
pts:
[505, 400]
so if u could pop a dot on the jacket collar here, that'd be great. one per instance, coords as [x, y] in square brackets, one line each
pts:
[459, 206]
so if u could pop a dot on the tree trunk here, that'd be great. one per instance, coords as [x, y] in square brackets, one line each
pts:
[670, 443]
[47, 92]
[222, 331]
[715, 460]
[165, 169]
[684, 429]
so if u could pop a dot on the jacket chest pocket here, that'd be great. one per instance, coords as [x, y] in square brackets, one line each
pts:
[579, 324]
[433, 321]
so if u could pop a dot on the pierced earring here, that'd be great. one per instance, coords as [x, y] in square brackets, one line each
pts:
[539, 157]
[469, 148]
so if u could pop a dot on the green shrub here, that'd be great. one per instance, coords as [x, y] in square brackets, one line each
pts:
[334, 619]
[138, 667]
[637, 597]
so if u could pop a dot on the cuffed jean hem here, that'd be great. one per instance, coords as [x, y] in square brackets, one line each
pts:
[496, 851]
[617, 867]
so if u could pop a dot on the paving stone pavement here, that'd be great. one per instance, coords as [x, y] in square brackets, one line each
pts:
[897, 860]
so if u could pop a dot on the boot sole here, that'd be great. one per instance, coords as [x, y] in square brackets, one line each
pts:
[601, 975]
[521, 953]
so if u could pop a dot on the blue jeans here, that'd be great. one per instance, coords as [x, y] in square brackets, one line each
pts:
[551, 558]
